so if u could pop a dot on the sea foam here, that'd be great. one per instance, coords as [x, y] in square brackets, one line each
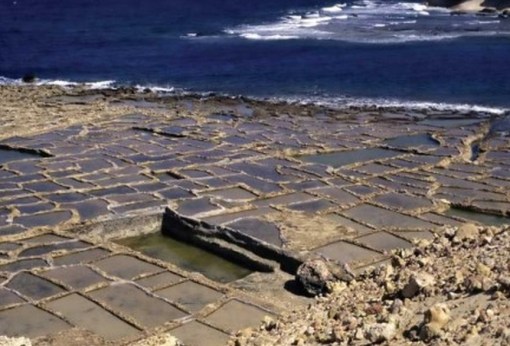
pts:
[106, 84]
[334, 102]
[381, 103]
[390, 21]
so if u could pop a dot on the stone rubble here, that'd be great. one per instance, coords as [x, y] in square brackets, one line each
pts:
[22, 341]
[452, 290]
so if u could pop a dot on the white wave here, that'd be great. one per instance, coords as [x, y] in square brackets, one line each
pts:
[403, 22]
[61, 83]
[339, 102]
[314, 14]
[463, 108]
[420, 8]
[106, 84]
[292, 19]
[416, 7]
[155, 88]
[268, 37]
[384, 18]
[98, 85]
[484, 22]
[19, 82]
[334, 9]
[310, 22]
[334, 102]
[9, 81]
[343, 102]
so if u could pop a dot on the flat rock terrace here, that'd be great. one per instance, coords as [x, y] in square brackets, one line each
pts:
[266, 192]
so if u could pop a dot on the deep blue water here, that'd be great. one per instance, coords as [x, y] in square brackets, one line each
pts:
[276, 48]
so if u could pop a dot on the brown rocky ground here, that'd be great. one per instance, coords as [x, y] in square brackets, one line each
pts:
[30, 109]
[452, 291]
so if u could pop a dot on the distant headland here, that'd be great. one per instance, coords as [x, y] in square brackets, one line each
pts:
[473, 5]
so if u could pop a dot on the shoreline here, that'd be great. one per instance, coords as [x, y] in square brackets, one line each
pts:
[97, 104]
[420, 297]
[337, 102]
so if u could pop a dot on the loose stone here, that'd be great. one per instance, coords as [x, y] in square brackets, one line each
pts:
[380, 332]
[467, 231]
[417, 282]
[435, 320]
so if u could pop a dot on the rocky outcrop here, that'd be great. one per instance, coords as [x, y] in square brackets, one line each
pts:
[486, 6]
[29, 78]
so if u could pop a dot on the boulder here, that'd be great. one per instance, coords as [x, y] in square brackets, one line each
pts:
[29, 78]
[314, 275]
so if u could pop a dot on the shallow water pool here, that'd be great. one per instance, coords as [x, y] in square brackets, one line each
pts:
[483, 218]
[344, 158]
[185, 256]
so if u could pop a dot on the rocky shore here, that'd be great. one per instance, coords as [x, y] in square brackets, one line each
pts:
[31, 109]
[453, 290]
[487, 6]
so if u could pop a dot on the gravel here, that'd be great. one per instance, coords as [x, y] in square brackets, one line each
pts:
[453, 290]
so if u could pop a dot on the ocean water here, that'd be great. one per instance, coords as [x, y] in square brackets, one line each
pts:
[384, 52]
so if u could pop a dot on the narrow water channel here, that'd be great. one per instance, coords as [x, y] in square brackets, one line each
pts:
[186, 256]
[483, 218]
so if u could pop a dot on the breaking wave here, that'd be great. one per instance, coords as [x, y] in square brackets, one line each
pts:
[97, 85]
[334, 102]
[374, 21]
[348, 102]
[105, 84]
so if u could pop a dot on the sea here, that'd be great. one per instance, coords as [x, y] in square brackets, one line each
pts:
[362, 52]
